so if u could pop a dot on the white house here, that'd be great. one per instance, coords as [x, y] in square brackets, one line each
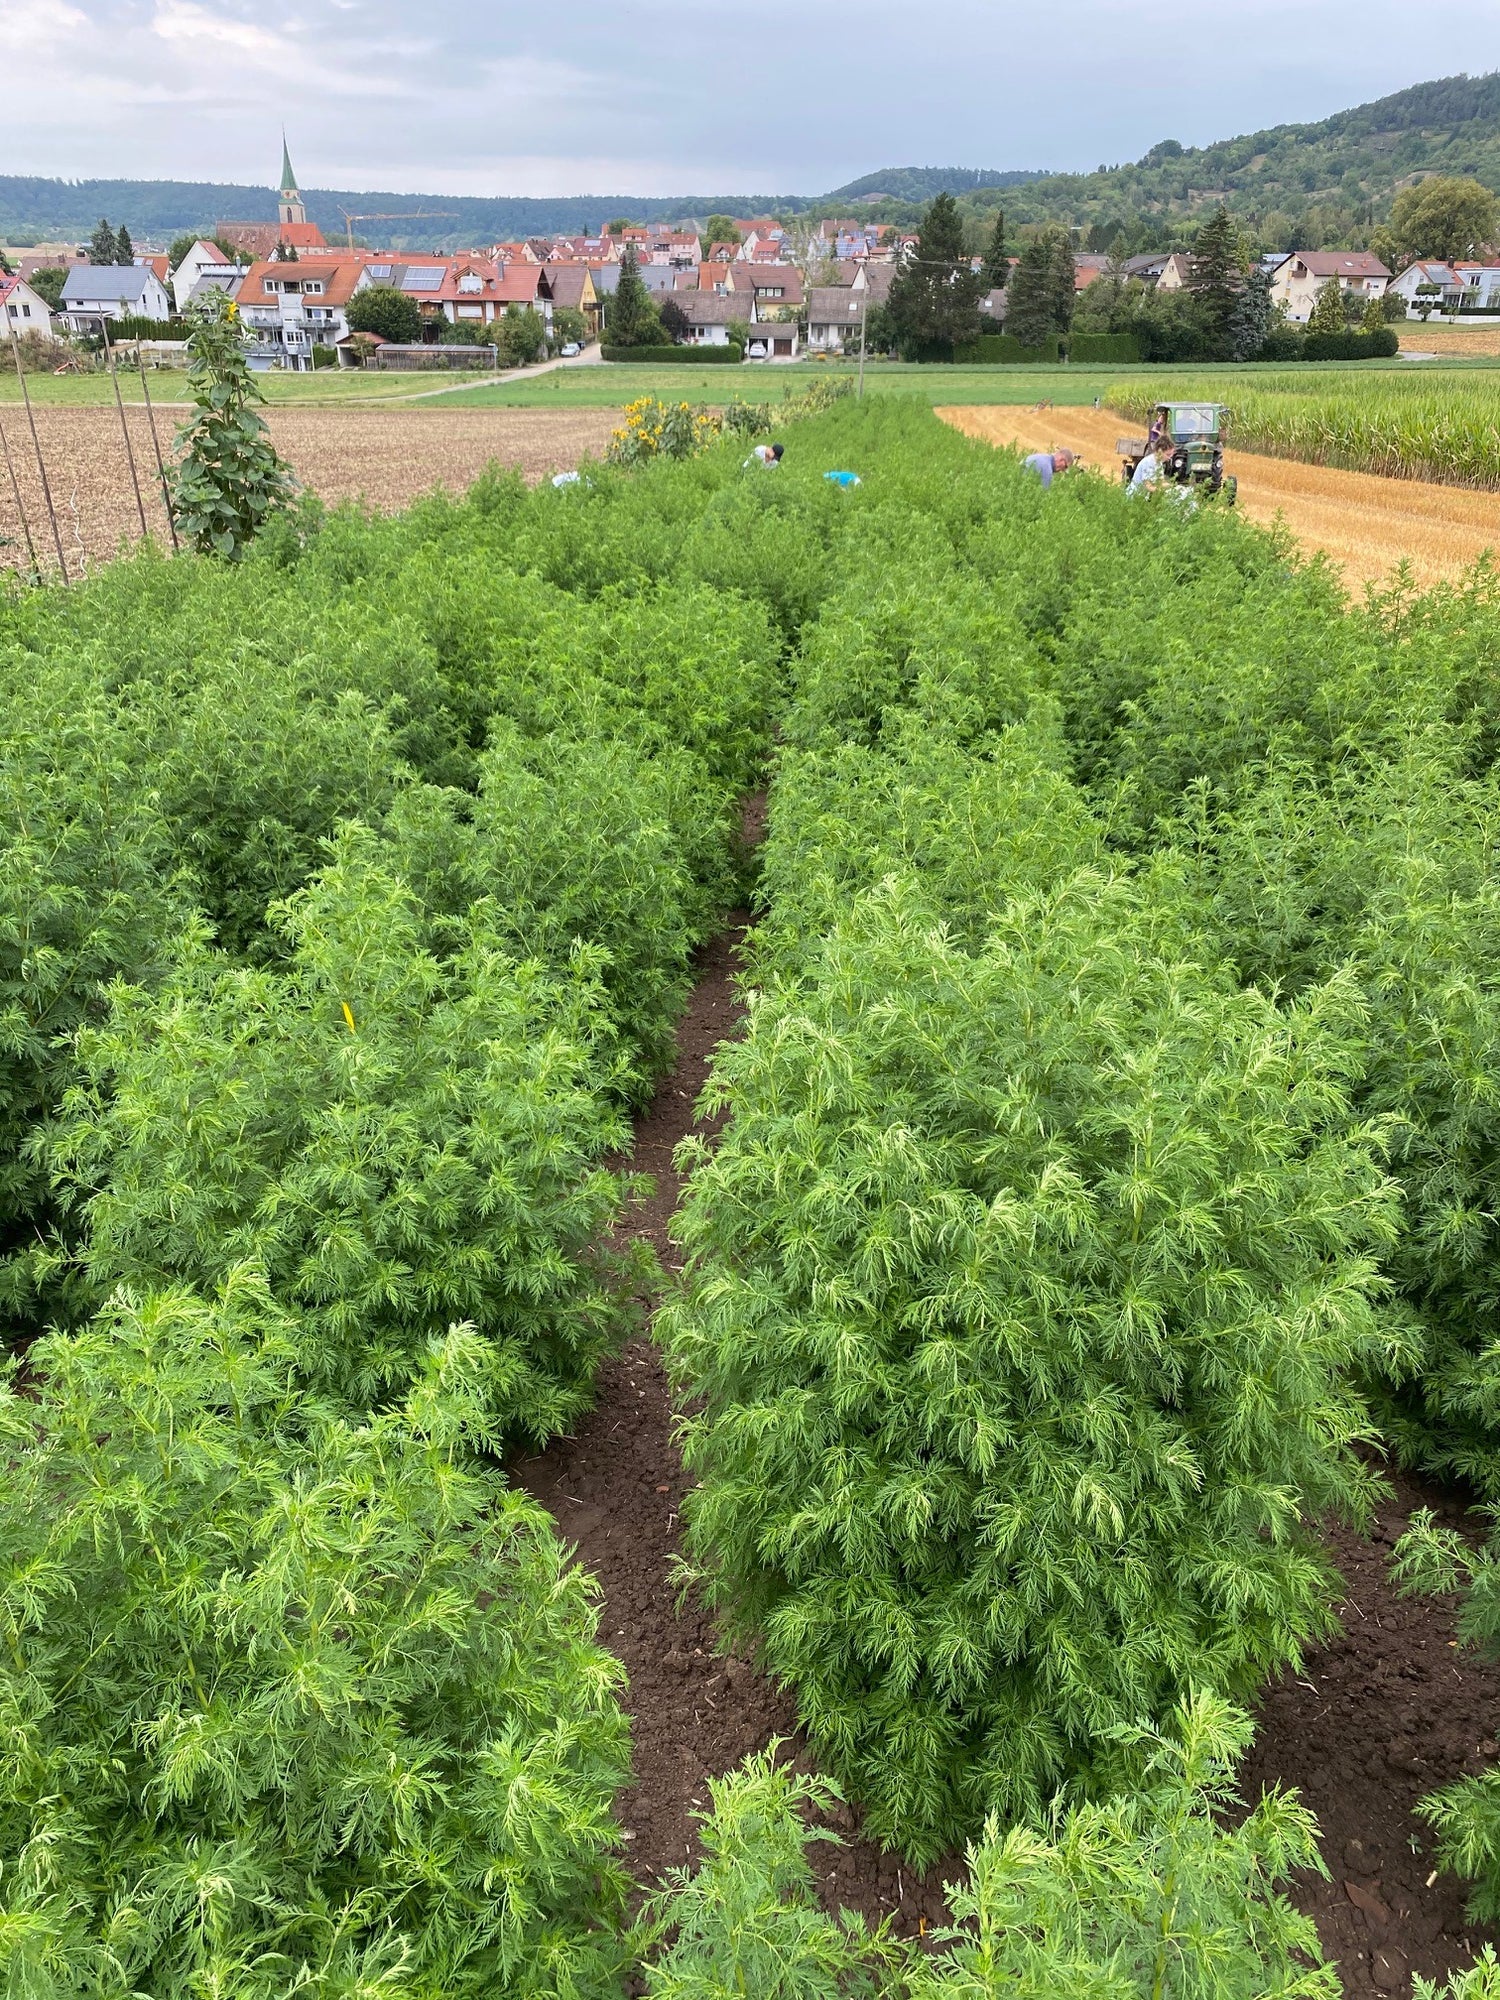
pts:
[835, 314]
[21, 309]
[204, 260]
[92, 292]
[1449, 288]
[1298, 278]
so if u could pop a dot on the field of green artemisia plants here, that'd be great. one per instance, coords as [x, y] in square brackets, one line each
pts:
[1112, 1151]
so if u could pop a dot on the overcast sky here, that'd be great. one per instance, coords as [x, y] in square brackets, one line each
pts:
[679, 96]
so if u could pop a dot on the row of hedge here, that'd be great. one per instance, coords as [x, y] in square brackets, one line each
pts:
[687, 356]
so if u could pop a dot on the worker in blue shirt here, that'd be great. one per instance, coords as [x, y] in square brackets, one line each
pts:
[1045, 463]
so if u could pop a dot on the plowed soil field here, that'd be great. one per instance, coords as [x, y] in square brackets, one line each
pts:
[1365, 523]
[387, 457]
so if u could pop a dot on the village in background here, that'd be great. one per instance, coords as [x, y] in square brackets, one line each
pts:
[762, 288]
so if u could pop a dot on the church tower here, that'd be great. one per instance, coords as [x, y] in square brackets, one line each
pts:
[289, 208]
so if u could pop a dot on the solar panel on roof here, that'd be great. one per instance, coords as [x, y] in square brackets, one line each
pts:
[425, 278]
[379, 270]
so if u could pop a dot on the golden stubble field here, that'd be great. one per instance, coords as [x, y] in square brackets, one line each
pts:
[388, 457]
[1365, 523]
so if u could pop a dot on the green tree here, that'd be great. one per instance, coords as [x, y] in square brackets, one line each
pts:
[286, 253]
[1445, 217]
[180, 246]
[48, 282]
[1253, 317]
[1216, 279]
[124, 248]
[720, 229]
[674, 321]
[1032, 312]
[102, 243]
[1063, 276]
[1327, 315]
[618, 227]
[631, 318]
[228, 479]
[522, 336]
[1373, 318]
[934, 298]
[386, 310]
[568, 323]
[997, 256]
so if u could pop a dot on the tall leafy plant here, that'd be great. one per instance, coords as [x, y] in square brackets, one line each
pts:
[228, 479]
[1022, 1296]
[400, 1144]
[291, 1704]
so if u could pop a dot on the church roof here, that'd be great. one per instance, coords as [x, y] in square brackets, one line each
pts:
[288, 178]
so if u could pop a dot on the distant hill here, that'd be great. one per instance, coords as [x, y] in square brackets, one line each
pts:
[1348, 166]
[918, 184]
[162, 209]
[1333, 179]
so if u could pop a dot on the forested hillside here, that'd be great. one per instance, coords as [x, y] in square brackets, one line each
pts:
[1335, 177]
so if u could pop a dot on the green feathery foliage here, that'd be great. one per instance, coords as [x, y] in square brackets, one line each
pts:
[228, 480]
[289, 1704]
[1146, 1897]
[1022, 1295]
[399, 1144]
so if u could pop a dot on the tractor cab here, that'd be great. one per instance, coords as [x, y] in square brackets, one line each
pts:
[1188, 440]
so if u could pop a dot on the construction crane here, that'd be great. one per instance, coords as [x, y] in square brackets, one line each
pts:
[411, 215]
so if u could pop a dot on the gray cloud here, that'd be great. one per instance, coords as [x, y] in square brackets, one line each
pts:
[664, 96]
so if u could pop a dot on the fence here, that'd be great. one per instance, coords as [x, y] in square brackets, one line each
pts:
[394, 354]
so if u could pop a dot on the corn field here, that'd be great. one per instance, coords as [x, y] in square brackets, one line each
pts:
[1402, 426]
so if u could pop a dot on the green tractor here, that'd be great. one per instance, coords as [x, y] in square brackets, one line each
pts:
[1187, 441]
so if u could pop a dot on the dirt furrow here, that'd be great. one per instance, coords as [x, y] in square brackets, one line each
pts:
[615, 1487]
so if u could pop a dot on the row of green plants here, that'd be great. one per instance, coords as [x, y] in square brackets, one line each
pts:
[1111, 1152]
[350, 892]
[1395, 424]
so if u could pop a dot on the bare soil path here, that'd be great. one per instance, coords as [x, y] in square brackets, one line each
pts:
[1364, 522]
[386, 455]
[614, 1489]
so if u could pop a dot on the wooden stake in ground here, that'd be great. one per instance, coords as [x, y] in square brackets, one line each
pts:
[161, 470]
[109, 355]
[15, 487]
[41, 466]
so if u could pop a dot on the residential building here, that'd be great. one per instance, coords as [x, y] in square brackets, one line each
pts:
[772, 285]
[1299, 277]
[710, 315]
[292, 308]
[92, 292]
[291, 227]
[1088, 265]
[21, 309]
[835, 314]
[1148, 269]
[570, 287]
[1176, 273]
[1449, 288]
[204, 258]
[772, 341]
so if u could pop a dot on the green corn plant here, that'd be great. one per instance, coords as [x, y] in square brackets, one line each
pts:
[1022, 1295]
[290, 1704]
[400, 1144]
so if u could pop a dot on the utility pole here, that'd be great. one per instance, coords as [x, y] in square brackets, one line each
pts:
[864, 315]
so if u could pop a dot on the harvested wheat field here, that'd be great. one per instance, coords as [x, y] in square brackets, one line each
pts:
[388, 457]
[1457, 343]
[1366, 523]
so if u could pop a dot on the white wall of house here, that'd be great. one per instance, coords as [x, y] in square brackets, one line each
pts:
[202, 259]
[25, 311]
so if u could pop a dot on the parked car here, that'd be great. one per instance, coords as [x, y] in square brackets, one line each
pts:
[569, 349]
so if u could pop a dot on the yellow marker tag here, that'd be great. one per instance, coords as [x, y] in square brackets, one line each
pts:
[347, 1015]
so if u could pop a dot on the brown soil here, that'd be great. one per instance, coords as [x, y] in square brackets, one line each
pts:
[1366, 523]
[1376, 1720]
[388, 457]
[614, 1488]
